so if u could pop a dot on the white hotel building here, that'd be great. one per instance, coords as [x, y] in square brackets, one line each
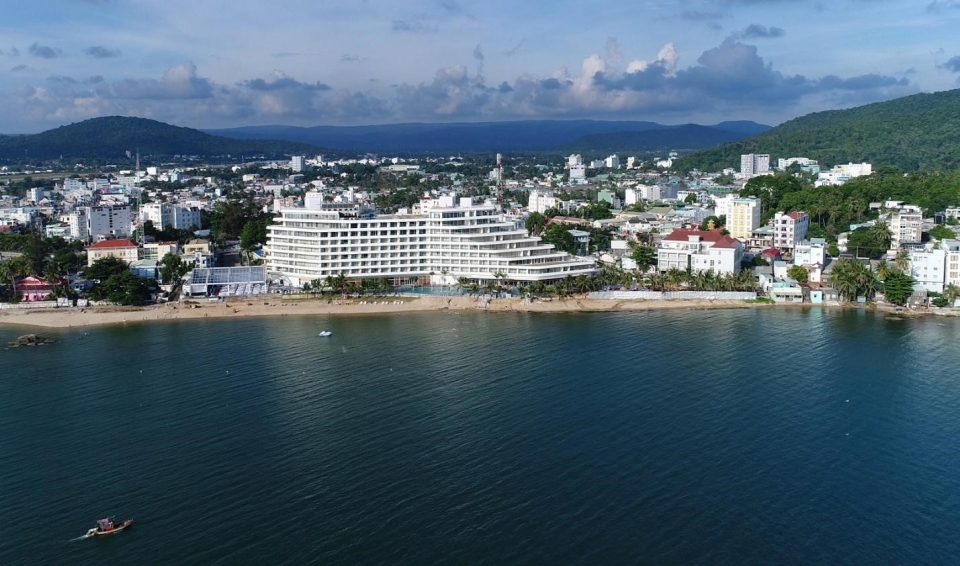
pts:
[442, 243]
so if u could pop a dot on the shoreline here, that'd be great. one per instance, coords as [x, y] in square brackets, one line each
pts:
[73, 317]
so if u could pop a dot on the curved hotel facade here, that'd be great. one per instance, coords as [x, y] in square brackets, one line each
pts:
[445, 241]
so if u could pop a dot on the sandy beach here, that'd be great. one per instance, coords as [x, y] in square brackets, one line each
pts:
[95, 316]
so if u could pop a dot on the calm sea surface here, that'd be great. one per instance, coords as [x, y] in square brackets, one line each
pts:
[682, 437]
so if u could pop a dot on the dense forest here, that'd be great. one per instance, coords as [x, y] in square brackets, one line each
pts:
[112, 136]
[833, 209]
[914, 133]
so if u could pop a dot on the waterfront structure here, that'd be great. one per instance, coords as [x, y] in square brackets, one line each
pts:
[699, 250]
[743, 217]
[789, 229]
[754, 163]
[445, 241]
[928, 268]
[121, 249]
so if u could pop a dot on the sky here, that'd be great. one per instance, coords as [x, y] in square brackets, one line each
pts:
[214, 64]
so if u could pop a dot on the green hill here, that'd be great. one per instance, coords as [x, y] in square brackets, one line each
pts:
[918, 132]
[110, 137]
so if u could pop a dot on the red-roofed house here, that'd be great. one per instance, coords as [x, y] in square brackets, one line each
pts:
[32, 288]
[123, 249]
[700, 250]
[789, 229]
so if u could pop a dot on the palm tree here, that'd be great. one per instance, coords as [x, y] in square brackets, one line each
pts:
[883, 269]
[902, 261]
[853, 279]
[674, 277]
[536, 288]
[881, 233]
[951, 292]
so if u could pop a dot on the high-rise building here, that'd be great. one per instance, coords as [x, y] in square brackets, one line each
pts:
[754, 163]
[743, 217]
[298, 163]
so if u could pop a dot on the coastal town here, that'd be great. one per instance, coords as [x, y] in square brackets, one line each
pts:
[529, 229]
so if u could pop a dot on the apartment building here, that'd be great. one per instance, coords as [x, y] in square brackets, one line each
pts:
[789, 229]
[445, 241]
[166, 214]
[743, 217]
[906, 226]
[754, 163]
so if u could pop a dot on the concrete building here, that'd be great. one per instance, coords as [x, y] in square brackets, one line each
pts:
[122, 249]
[447, 240]
[754, 163]
[699, 251]
[951, 250]
[906, 226]
[540, 200]
[743, 217]
[102, 222]
[166, 214]
[612, 162]
[810, 252]
[651, 192]
[298, 163]
[155, 251]
[928, 268]
[578, 173]
[789, 229]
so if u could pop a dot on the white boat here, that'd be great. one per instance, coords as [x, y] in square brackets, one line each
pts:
[326, 333]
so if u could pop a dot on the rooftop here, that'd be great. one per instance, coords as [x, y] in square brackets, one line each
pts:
[112, 244]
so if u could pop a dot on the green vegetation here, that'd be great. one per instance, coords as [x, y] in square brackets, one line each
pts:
[853, 279]
[913, 133]
[833, 209]
[117, 283]
[112, 136]
[798, 273]
[941, 232]
[897, 287]
[760, 301]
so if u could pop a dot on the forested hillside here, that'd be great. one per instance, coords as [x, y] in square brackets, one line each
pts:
[112, 136]
[915, 133]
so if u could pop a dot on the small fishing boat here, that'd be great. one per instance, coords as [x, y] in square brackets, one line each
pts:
[325, 333]
[108, 527]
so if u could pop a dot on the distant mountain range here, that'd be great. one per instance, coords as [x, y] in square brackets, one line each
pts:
[110, 137]
[491, 137]
[917, 132]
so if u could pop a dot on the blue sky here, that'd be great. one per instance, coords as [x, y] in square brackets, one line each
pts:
[207, 64]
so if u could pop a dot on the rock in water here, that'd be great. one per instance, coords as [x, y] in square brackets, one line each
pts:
[30, 340]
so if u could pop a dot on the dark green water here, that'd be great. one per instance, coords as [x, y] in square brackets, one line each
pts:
[687, 437]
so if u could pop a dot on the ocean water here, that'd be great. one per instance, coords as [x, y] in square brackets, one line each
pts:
[678, 437]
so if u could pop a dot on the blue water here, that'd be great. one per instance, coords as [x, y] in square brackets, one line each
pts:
[684, 437]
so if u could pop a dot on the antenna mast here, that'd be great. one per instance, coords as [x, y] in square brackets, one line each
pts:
[140, 238]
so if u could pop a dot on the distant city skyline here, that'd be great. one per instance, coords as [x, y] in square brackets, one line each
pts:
[210, 65]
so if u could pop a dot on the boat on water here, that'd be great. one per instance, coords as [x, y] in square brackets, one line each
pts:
[108, 527]
[326, 333]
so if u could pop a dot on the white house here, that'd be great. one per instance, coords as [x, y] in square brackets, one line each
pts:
[699, 250]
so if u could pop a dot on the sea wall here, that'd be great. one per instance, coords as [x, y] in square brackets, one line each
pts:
[673, 295]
